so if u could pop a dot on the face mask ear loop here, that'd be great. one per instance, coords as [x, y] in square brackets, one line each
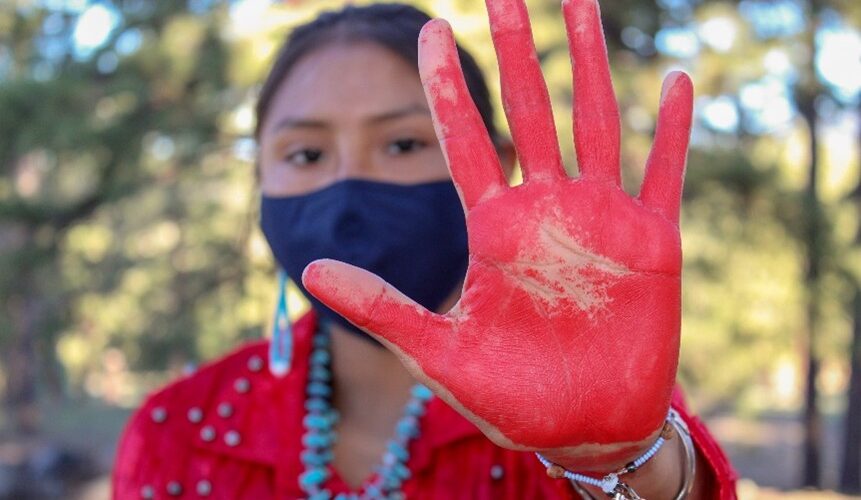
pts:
[281, 345]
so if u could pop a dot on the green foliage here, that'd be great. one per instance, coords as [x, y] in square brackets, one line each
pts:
[128, 217]
[122, 201]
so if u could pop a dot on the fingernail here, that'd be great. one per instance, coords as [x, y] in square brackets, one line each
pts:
[669, 82]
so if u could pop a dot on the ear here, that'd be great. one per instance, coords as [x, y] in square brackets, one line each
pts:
[507, 155]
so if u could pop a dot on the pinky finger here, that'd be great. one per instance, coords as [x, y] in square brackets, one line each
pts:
[665, 168]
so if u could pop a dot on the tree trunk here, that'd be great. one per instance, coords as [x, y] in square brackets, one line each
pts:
[850, 473]
[815, 239]
[812, 420]
[20, 359]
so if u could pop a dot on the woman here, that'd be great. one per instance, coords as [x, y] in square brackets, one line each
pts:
[546, 326]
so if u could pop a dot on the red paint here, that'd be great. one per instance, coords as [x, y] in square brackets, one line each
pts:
[567, 332]
[451, 460]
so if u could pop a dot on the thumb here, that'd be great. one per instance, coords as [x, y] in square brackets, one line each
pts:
[378, 308]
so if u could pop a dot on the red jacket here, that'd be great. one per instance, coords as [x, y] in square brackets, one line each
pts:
[232, 431]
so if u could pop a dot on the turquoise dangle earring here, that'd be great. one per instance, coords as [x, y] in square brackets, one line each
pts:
[281, 346]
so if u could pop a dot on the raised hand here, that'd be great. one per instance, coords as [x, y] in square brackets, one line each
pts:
[565, 339]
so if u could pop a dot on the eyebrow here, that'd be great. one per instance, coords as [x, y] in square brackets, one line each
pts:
[395, 114]
[415, 109]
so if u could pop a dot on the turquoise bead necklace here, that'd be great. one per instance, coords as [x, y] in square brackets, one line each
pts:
[319, 437]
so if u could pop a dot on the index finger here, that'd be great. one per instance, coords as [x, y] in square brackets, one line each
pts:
[469, 152]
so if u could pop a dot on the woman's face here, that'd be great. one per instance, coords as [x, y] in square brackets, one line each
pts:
[348, 111]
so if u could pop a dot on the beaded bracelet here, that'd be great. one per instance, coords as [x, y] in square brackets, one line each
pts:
[611, 484]
[688, 472]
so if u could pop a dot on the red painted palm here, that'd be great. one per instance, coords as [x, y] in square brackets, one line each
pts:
[566, 336]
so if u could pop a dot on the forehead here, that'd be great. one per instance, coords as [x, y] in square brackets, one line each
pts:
[343, 82]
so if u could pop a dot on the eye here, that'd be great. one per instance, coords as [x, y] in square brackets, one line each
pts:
[304, 156]
[403, 146]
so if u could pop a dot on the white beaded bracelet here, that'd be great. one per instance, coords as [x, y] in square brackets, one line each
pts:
[611, 484]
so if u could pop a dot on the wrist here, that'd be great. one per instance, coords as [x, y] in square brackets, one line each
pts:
[599, 460]
[665, 470]
[660, 477]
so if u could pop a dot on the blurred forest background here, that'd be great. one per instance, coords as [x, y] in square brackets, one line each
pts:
[129, 248]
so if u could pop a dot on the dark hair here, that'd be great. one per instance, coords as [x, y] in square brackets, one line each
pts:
[393, 26]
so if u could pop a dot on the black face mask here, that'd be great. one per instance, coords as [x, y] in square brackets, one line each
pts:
[412, 236]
